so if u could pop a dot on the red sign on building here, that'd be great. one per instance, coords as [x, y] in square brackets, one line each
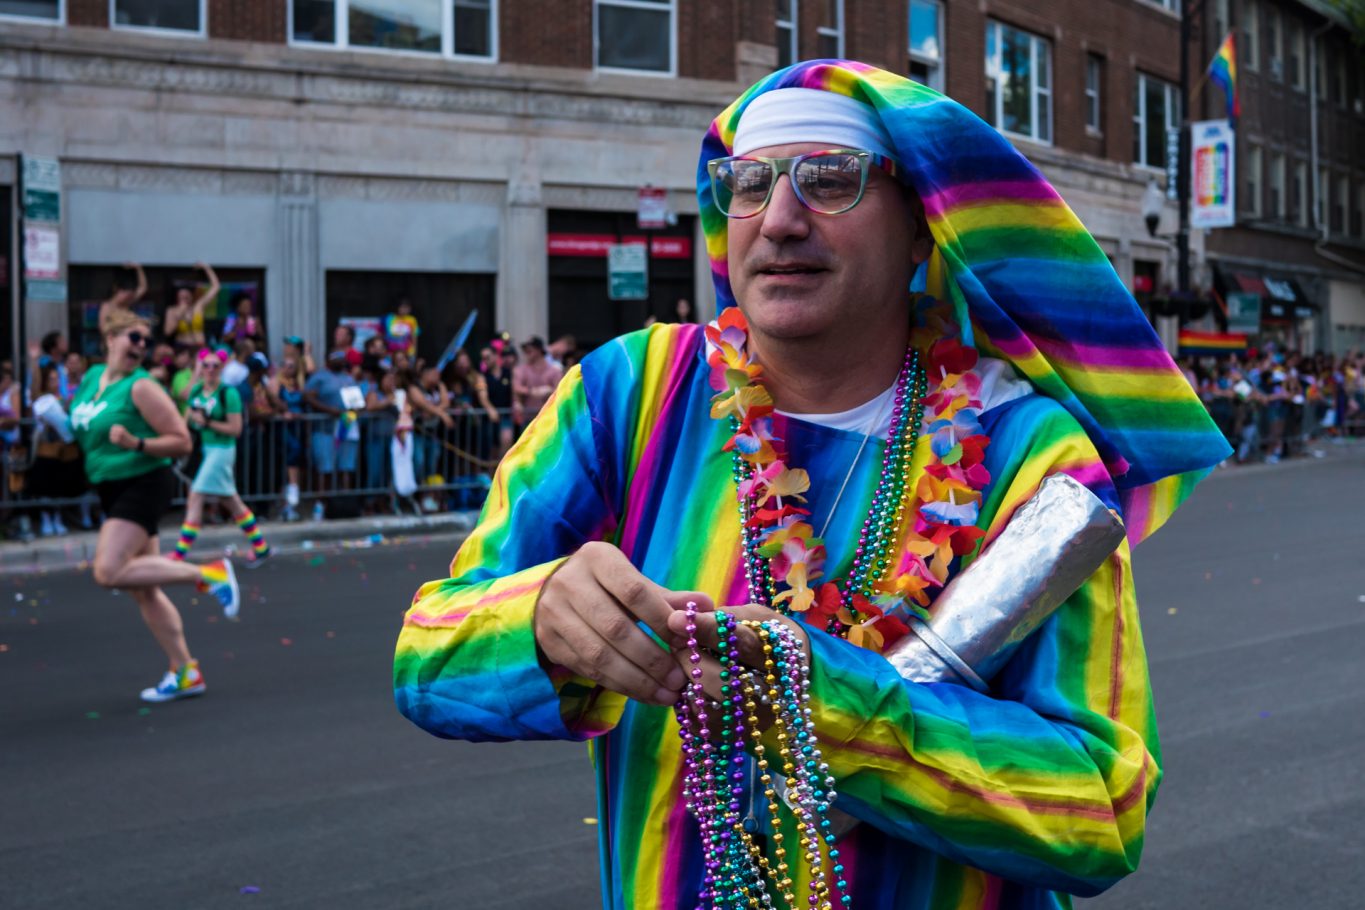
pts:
[595, 246]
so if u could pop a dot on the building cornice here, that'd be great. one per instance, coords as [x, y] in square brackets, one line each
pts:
[84, 56]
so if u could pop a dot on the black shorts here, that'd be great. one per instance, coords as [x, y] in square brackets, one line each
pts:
[141, 499]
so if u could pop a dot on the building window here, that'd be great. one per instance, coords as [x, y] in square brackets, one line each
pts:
[636, 35]
[1358, 213]
[1339, 79]
[1171, 5]
[159, 15]
[449, 28]
[44, 10]
[830, 34]
[1254, 171]
[413, 25]
[1019, 82]
[1339, 200]
[926, 42]
[1155, 110]
[1094, 82]
[472, 22]
[1220, 20]
[1274, 51]
[1320, 190]
[788, 51]
[1251, 30]
[1277, 200]
[1297, 57]
[1298, 196]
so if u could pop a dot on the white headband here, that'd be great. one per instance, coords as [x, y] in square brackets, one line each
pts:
[789, 115]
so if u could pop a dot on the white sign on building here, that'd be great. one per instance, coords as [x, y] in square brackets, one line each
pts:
[1213, 174]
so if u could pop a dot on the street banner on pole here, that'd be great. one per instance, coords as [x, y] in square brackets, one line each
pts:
[42, 252]
[627, 272]
[1212, 191]
[652, 208]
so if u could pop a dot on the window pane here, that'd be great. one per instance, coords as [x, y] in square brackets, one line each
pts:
[1044, 118]
[924, 29]
[784, 46]
[38, 9]
[473, 28]
[828, 45]
[831, 11]
[1156, 123]
[1016, 81]
[407, 25]
[315, 20]
[784, 9]
[635, 39]
[182, 15]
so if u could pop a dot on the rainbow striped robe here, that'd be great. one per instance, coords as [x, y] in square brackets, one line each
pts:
[969, 801]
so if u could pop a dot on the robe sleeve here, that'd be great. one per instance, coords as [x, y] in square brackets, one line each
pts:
[1046, 780]
[467, 665]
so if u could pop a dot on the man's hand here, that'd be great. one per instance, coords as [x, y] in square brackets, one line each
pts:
[119, 436]
[586, 622]
[750, 644]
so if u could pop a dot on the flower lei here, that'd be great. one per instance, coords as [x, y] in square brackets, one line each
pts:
[784, 558]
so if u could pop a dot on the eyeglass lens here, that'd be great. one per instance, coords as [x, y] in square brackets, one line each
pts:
[137, 337]
[828, 184]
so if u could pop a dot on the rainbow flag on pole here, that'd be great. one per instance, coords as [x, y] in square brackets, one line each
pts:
[1223, 70]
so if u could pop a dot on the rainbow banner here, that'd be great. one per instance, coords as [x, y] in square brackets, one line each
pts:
[1223, 70]
[1192, 342]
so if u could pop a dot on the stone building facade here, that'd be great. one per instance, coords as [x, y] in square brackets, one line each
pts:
[334, 156]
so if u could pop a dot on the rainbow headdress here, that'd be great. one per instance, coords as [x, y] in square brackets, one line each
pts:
[1035, 287]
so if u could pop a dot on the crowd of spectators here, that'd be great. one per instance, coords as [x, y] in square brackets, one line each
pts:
[366, 426]
[1272, 404]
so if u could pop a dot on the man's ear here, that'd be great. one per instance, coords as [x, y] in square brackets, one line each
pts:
[921, 241]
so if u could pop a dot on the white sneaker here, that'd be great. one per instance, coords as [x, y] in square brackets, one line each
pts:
[182, 683]
[58, 527]
[45, 530]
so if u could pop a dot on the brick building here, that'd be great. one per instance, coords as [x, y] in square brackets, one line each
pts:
[332, 156]
[1299, 243]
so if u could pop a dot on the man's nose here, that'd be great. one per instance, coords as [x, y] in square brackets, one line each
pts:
[785, 218]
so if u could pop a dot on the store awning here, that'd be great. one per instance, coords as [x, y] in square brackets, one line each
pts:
[1282, 298]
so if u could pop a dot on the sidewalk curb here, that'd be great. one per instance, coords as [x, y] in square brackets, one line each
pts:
[74, 551]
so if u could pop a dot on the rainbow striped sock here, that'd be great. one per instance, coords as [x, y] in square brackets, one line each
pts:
[247, 522]
[188, 535]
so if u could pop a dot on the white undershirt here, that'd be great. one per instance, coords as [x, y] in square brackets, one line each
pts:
[999, 384]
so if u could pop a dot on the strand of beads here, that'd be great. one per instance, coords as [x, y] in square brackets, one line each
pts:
[757, 573]
[786, 674]
[888, 500]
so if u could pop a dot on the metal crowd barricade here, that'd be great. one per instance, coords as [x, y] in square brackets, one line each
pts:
[453, 466]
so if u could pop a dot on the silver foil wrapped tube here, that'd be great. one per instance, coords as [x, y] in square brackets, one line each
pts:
[1052, 544]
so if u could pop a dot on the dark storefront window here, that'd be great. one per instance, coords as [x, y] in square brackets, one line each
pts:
[91, 285]
[7, 275]
[440, 301]
[579, 302]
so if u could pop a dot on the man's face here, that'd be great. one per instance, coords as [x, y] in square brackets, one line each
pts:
[799, 274]
[532, 355]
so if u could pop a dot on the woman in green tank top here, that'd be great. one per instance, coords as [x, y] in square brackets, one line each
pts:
[129, 430]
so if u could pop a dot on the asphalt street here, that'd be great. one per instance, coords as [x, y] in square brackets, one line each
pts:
[295, 783]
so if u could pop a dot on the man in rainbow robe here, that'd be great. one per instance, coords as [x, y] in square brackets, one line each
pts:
[1019, 354]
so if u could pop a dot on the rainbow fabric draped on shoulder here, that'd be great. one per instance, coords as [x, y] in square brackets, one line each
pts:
[1037, 288]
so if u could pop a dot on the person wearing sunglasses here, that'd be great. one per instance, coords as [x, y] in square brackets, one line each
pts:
[215, 413]
[914, 332]
[129, 430]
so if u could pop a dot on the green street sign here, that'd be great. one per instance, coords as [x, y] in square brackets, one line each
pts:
[627, 272]
[42, 189]
[1244, 313]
